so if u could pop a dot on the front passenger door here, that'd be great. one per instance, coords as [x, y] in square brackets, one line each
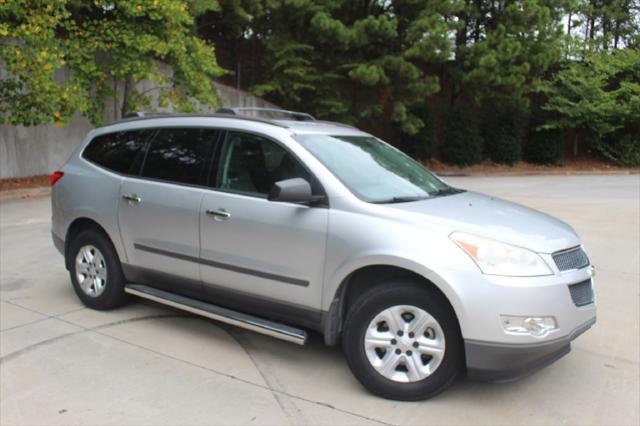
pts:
[273, 251]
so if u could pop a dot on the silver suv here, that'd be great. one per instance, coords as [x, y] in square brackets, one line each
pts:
[286, 224]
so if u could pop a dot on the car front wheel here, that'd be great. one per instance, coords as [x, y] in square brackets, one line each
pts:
[402, 341]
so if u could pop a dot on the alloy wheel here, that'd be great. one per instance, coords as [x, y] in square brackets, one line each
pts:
[404, 343]
[91, 270]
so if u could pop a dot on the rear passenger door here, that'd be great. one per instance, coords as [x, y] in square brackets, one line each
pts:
[159, 210]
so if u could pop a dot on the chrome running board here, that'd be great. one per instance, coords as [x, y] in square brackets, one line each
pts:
[218, 313]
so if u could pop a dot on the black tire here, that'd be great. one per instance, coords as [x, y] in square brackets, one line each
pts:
[376, 300]
[113, 294]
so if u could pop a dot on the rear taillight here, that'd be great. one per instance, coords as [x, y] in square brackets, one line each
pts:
[56, 176]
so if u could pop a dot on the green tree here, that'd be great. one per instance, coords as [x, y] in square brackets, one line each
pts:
[599, 98]
[504, 48]
[503, 126]
[360, 61]
[420, 145]
[603, 25]
[503, 51]
[106, 47]
[237, 29]
[462, 142]
[543, 147]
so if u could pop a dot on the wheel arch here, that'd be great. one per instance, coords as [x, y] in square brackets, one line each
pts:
[365, 277]
[78, 225]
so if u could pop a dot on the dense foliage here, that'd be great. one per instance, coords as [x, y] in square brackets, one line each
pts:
[543, 147]
[502, 132]
[354, 61]
[599, 98]
[378, 63]
[420, 145]
[404, 69]
[462, 141]
[106, 46]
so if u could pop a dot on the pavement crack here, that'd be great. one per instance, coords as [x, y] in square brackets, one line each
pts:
[44, 318]
[25, 324]
[18, 353]
[98, 329]
[34, 346]
[248, 382]
[287, 405]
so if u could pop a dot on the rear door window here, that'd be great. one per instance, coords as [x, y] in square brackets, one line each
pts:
[120, 152]
[180, 155]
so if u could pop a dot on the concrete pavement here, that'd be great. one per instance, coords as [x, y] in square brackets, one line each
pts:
[144, 364]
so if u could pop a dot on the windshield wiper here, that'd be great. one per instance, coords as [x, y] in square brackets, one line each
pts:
[409, 198]
[403, 199]
[445, 191]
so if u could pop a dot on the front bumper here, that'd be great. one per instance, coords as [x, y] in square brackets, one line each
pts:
[480, 301]
[500, 362]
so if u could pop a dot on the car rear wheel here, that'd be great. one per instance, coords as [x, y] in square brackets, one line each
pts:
[402, 341]
[95, 271]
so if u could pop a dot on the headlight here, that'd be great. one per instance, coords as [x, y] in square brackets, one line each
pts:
[496, 258]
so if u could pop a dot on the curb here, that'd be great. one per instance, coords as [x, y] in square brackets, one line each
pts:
[23, 194]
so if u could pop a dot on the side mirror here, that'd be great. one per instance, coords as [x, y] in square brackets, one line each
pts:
[296, 190]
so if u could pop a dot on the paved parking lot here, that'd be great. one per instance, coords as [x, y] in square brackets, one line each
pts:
[63, 364]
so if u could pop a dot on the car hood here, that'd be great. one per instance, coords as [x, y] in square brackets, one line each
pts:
[494, 218]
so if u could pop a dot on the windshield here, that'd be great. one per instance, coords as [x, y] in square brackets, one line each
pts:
[373, 170]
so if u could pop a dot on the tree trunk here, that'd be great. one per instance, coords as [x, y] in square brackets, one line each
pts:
[461, 42]
[586, 30]
[115, 99]
[476, 30]
[125, 96]
[566, 51]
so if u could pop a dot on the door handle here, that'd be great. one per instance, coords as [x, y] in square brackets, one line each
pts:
[132, 199]
[221, 214]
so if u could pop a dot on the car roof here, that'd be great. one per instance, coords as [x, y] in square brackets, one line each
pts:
[318, 127]
[294, 126]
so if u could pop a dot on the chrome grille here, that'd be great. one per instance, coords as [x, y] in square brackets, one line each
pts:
[574, 258]
[582, 293]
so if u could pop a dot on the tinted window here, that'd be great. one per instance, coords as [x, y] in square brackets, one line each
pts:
[117, 151]
[179, 155]
[251, 164]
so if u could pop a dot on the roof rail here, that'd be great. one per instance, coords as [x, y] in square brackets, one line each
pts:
[141, 114]
[299, 116]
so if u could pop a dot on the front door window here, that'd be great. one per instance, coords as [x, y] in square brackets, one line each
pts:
[252, 164]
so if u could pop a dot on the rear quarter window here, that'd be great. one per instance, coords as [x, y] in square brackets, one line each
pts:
[120, 152]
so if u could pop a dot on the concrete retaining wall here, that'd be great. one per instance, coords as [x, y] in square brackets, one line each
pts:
[40, 150]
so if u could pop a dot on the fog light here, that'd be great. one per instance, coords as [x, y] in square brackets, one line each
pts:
[533, 326]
